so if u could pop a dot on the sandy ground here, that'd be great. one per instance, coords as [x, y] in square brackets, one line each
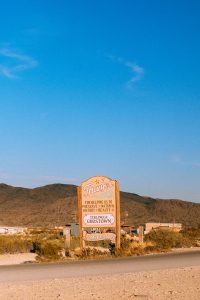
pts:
[15, 259]
[176, 284]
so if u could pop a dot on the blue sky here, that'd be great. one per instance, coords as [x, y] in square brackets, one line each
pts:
[101, 88]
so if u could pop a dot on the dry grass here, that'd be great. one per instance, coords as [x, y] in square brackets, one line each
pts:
[163, 239]
[49, 244]
[14, 244]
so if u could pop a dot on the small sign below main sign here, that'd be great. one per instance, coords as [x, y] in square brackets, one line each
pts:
[101, 220]
[100, 236]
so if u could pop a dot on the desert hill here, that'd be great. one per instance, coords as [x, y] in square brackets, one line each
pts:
[56, 204]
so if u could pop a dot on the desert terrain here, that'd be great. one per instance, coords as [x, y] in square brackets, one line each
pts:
[176, 284]
[172, 276]
[56, 204]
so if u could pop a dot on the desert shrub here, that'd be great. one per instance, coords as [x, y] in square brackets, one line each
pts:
[137, 248]
[124, 248]
[164, 239]
[192, 234]
[47, 250]
[92, 253]
[14, 244]
[74, 242]
[36, 231]
[47, 243]
[151, 249]
[112, 248]
[103, 243]
[127, 248]
[45, 233]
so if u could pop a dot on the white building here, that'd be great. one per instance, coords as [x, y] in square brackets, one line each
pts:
[11, 230]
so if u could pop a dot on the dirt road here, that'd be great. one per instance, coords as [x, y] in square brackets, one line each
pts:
[98, 268]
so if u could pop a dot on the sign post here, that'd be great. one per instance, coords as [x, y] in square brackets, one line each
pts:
[141, 234]
[99, 207]
[67, 237]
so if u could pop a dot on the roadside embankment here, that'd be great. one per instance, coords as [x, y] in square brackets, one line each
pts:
[18, 258]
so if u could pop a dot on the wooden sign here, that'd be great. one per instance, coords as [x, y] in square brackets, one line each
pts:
[100, 236]
[99, 205]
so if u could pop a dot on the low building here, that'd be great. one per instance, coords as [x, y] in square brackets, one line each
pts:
[173, 226]
[127, 228]
[11, 230]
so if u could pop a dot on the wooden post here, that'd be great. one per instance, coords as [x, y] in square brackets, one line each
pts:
[141, 234]
[67, 234]
[118, 225]
[80, 216]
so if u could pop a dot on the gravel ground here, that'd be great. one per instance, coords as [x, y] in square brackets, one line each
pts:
[15, 259]
[176, 284]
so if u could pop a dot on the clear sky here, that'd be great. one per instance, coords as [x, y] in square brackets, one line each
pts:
[101, 88]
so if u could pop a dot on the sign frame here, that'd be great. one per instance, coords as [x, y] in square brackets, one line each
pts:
[116, 225]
